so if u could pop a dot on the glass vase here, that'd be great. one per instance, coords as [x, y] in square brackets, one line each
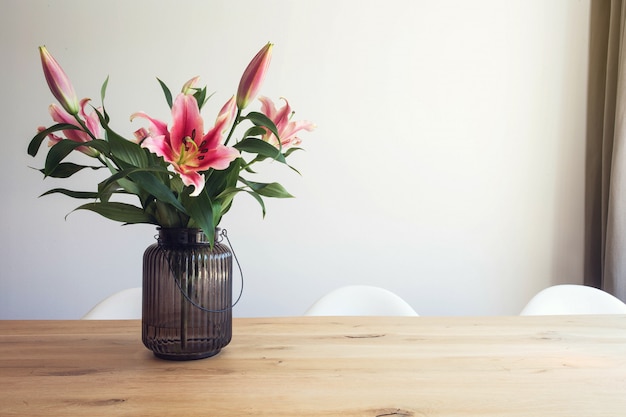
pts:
[187, 295]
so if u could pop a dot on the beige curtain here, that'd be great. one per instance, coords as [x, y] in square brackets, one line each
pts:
[605, 209]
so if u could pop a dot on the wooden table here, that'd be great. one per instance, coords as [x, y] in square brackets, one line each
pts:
[313, 366]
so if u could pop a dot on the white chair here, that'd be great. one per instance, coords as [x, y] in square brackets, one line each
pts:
[360, 300]
[123, 305]
[573, 299]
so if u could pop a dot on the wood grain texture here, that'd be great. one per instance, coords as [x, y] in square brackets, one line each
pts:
[323, 366]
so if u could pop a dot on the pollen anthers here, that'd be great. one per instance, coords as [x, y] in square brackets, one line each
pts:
[190, 150]
[189, 140]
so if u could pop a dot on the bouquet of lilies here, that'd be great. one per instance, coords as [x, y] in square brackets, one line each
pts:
[182, 175]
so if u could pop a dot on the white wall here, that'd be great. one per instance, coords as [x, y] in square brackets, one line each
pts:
[448, 163]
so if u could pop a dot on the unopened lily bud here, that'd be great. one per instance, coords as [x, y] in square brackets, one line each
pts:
[58, 82]
[141, 134]
[253, 76]
[189, 86]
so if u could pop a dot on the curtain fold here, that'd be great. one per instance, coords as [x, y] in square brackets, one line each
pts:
[605, 189]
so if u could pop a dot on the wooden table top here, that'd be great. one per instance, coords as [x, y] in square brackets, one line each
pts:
[323, 366]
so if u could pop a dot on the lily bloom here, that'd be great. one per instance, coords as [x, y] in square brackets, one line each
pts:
[185, 146]
[253, 76]
[91, 121]
[286, 128]
[58, 82]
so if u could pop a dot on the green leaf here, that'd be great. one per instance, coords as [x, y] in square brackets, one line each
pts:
[147, 181]
[103, 89]
[57, 153]
[272, 189]
[258, 199]
[121, 212]
[175, 183]
[254, 131]
[107, 189]
[200, 96]
[200, 210]
[126, 150]
[227, 197]
[130, 187]
[152, 185]
[218, 180]
[260, 158]
[166, 215]
[125, 183]
[167, 92]
[292, 150]
[260, 147]
[63, 148]
[70, 193]
[67, 169]
[121, 148]
[216, 208]
[35, 143]
[259, 119]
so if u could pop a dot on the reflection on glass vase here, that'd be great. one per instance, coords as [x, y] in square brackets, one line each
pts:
[187, 295]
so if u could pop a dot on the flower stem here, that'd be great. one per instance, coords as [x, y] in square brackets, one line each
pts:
[235, 123]
[84, 126]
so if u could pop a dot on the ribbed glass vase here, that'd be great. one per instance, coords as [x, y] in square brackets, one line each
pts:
[187, 295]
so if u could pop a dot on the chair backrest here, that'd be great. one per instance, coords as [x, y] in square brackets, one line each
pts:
[573, 299]
[360, 300]
[122, 305]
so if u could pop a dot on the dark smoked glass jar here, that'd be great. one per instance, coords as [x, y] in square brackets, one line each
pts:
[187, 295]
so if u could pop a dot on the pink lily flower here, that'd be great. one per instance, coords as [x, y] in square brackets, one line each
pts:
[286, 129]
[253, 76]
[185, 146]
[91, 121]
[58, 82]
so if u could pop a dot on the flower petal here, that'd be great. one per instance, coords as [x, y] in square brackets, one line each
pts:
[224, 121]
[294, 127]
[186, 122]
[61, 116]
[219, 158]
[267, 107]
[227, 115]
[159, 146]
[195, 179]
[157, 127]
[286, 129]
[92, 121]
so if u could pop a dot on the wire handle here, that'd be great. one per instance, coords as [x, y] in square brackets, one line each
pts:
[223, 233]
